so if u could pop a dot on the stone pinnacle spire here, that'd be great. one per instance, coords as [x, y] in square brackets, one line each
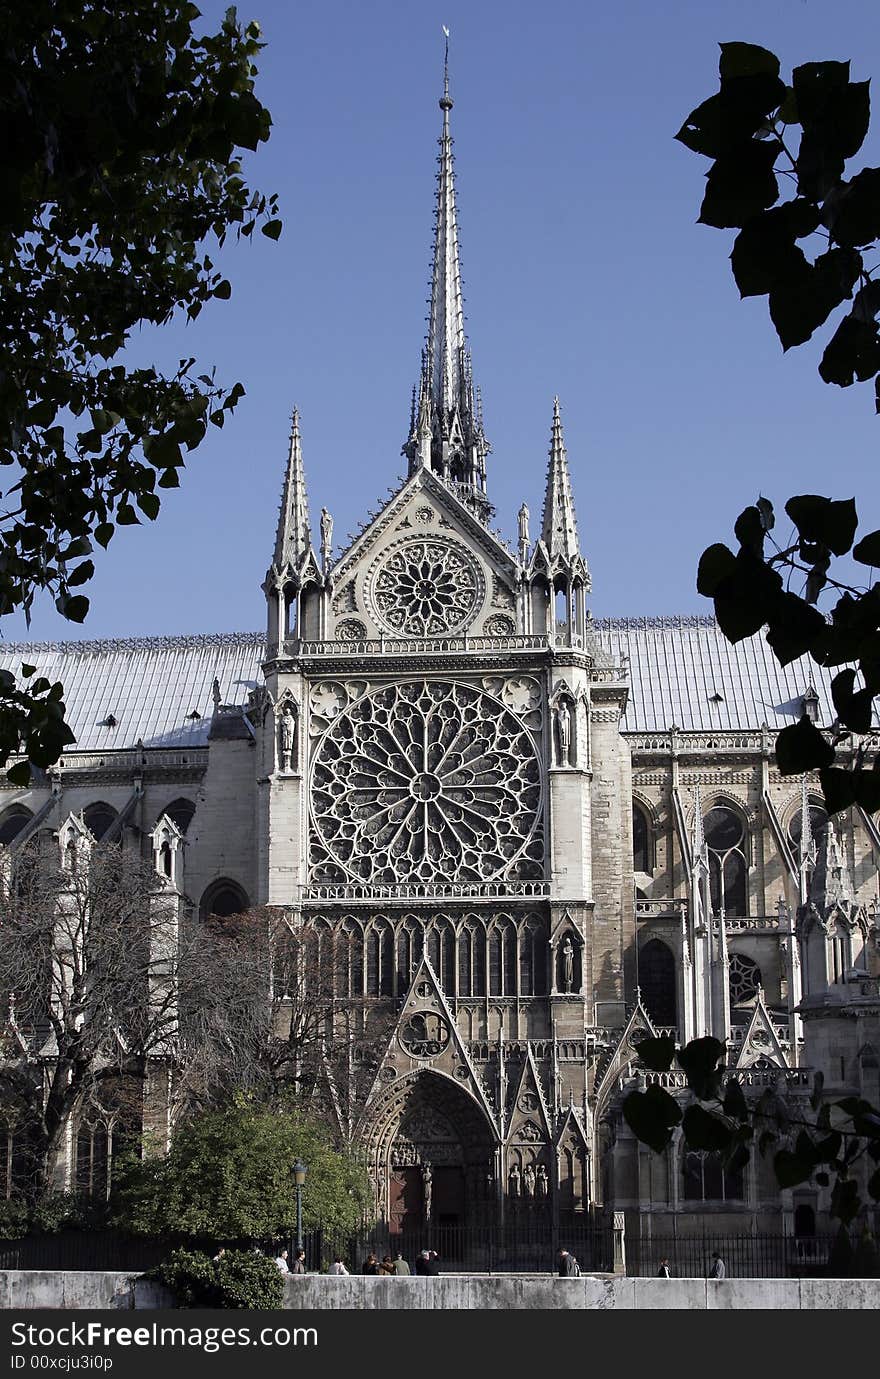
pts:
[294, 536]
[559, 524]
[448, 433]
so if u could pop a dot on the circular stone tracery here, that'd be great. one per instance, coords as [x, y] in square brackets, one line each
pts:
[423, 782]
[425, 587]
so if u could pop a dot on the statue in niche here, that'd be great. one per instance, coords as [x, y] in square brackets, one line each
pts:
[563, 728]
[514, 1181]
[427, 1189]
[542, 1185]
[567, 964]
[287, 732]
[529, 1181]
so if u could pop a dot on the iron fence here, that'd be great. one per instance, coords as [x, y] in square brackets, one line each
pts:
[484, 1249]
[744, 1256]
[98, 1250]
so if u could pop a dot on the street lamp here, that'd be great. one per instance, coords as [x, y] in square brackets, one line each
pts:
[299, 1178]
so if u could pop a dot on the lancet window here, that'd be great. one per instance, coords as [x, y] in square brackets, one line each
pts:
[726, 838]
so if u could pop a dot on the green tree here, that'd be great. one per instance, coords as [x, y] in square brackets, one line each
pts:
[228, 1176]
[121, 129]
[807, 240]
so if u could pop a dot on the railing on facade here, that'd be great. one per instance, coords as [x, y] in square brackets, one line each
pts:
[431, 890]
[661, 909]
[129, 759]
[511, 1247]
[414, 646]
[744, 1256]
[682, 743]
[676, 1080]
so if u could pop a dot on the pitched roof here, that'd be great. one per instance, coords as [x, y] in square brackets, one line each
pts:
[151, 686]
[682, 672]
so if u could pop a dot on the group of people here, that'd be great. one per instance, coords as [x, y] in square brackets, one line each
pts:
[717, 1269]
[297, 1267]
[426, 1265]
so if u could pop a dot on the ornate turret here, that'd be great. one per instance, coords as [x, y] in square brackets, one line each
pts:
[294, 564]
[446, 425]
[557, 555]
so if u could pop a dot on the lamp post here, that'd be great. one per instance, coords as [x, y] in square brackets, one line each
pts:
[299, 1178]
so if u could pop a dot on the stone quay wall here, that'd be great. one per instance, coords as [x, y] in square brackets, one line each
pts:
[72, 1289]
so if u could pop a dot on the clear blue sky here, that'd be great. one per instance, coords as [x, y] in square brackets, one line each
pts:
[585, 275]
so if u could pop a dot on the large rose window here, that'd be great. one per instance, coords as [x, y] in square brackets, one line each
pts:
[426, 782]
[425, 588]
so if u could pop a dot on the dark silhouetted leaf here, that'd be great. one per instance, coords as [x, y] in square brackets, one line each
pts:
[856, 219]
[739, 185]
[791, 1168]
[700, 1059]
[852, 354]
[702, 1130]
[652, 1115]
[833, 523]
[716, 563]
[734, 1102]
[765, 252]
[867, 551]
[801, 300]
[801, 747]
[794, 626]
[657, 1053]
[838, 787]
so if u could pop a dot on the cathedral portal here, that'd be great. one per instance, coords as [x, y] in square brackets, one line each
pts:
[434, 1159]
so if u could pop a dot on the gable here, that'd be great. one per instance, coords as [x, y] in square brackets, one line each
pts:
[424, 567]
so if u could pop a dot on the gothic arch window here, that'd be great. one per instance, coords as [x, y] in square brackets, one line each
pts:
[441, 953]
[180, 812]
[99, 818]
[840, 952]
[818, 825]
[223, 898]
[533, 959]
[725, 833]
[744, 978]
[12, 821]
[642, 850]
[502, 957]
[707, 1180]
[657, 981]
[380, 958]
[350, 960]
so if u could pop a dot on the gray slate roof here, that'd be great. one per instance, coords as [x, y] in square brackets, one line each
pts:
[150, 685]
[677, 665]
[153, 685]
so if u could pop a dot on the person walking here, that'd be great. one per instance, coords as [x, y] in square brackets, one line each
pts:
[664, 1271]
[281, 1261]
[400, 1266]
[568, 1265]
[717, 1268]
[299, 1263]
[386, 1268]
[371, 1264]
[423, 1259]
[337, 1267]
[433, 1266]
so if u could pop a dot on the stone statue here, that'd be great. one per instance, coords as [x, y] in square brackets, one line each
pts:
[427, 1188]
[286, 733]
[524, 527]
[541, 1184]
[563, 724]
[567, 964]
[529, 1180]
[215, 694]
[326, 533]
[514, 1181]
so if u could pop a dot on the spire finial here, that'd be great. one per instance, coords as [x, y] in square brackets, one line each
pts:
[446, 102]
[293, 537]
[558, 522]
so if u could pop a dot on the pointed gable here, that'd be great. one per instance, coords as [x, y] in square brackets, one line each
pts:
[528, 1116]
[425, 1038]
[760, 1039]
[625, 1051]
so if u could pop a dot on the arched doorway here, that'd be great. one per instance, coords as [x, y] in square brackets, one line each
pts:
[433, 1151]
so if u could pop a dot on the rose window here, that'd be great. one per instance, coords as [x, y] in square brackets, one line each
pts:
[426, 782]
[426, 588]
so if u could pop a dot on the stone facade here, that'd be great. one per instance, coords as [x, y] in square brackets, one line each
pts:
[438, 762]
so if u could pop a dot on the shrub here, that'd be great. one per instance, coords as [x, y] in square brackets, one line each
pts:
[14, 1219]
[240, 1279]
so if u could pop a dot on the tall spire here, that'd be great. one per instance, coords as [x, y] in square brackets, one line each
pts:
[558, 523]
[294, 536]
[448, 433]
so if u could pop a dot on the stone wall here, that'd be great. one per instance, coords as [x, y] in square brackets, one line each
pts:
[32, 1289]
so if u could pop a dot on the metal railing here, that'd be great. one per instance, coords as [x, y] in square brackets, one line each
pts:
[744, 1256]
[485, 1249]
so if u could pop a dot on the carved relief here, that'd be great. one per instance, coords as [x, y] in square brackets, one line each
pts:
[502, 595]
[499, 625]
[344, 600]
[351, 630]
